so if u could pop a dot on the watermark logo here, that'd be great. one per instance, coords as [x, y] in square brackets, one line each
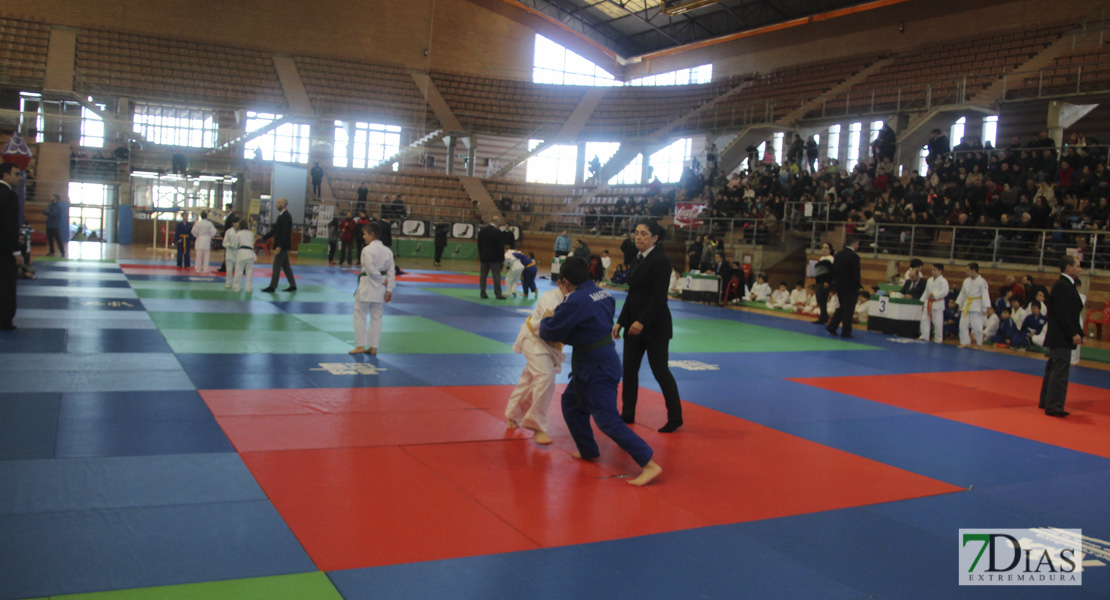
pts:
[1021, 557]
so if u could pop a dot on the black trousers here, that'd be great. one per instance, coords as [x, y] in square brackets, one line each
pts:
[9, 273]
[823, 303]
[333, 245]
[658, 353]
[494, 269]
[843, 313]
[53, 234]
[346, 251]
[439, 251]
[281, 262]
[1054, 388]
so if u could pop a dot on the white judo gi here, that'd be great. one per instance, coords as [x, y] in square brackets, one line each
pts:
[244, 261]
[934, 297]
[529, 401]
[760, 292]
[231, 247]
[514, 270]
[204, 231]
[374, 281]
[973, 301]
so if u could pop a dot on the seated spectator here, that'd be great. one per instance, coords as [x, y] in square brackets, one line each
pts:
[952, 319]
[1018, 312]
[761, 291]
[990, 324]
[780, 298]
[810, 307]
[798, 297]
[675, 286]
[862, 303]
[1009, 334]
[620, 275]
[1005, 300]
[1033, 328]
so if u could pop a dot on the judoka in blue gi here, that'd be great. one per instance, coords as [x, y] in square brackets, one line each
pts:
[585, 321]
[183, 237]
[1008, 332]
[528, 277]
[1032, 329]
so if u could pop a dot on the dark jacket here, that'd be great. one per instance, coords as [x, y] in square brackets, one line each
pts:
[282, 231]
[9, 221]
[489, 245]
[1064, 308]
[846, 277]
[914, 289]
[628, 248]
[647, 297]
[441, 230]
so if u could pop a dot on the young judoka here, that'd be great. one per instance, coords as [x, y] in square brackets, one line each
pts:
[990, 324]
[528, 276]
[936, 291]
[231, 247]
[244, 260]
[375, 289]
[810, 307]
[514, 270]
[204, 231]
[528, 403]
[585, 320]
[1008, 334]
[973, 300]
[761, 291]
[780, 298]
[1033, 327]
[798, 297]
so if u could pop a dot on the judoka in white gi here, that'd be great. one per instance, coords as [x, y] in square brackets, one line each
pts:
[244, 260]
[514, 270]
[973, 301]
[798, 298]
[936, 290]
[528, 403]
[780, 298]
[375, 288]
[231, 247]
[761, 291]
[204, 231]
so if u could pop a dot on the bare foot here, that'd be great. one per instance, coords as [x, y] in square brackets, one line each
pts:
[651, 471]
[358, 350]
[962, 346]
[512, 424]
[580, 457]
[542, 438]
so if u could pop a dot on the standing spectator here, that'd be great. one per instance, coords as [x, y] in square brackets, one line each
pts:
[812, 154]
[723, 270]
[11, 258]
[562, 244]
[694, 253]
[823, 272]
[606, 262]
[363, 193]
[179, 164]
[333, 239]
[375, 290]
[939, 147]
[582, 250]
[1063, 335]
[441, 230]
[53, 214]
[282, 233]
[491, 254]
[317, 173]
[204, 231]
[646, 320]
[347, 229]
[846, 282]
[628, 249]
[362, 221]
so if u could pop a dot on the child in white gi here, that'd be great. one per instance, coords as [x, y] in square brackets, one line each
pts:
[528, 403]
[973, 300]
[375, 289]
[231, 245]
[780, 298]
[244, 261]
[514, 270]
[204, 231]
[936, 290]
[810, 307]
[798, 297]
[761, 291]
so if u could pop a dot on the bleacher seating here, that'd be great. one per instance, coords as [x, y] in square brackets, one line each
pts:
[545, 198]
[1087, 69]
[344, 89]
[134, 65]
[23, 46]
[425, 195]
[641, 110]
[509, 107]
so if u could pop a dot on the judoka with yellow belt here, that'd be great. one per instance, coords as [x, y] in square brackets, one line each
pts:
[973, 301]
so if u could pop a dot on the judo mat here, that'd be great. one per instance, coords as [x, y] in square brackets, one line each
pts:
[162, 437]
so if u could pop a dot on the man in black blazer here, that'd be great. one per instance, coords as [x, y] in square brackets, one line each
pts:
[1063, 335]
[282, 232]
[723, 270]
[492, 254]
[846, 284]
[10, 256]
[646, 320]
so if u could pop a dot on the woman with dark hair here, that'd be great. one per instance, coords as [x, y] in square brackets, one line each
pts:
[647, 324]
[823, 272]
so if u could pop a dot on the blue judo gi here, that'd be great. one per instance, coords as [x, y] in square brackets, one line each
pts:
[585, 321]
[183, 237]
[1032, 325]
[528, 277]
[1008, 333]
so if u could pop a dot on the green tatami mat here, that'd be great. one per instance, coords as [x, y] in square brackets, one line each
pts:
[257, 296]
[230, 321]
[302, 586]
[718, 335]
[218, 341]
[402, 334]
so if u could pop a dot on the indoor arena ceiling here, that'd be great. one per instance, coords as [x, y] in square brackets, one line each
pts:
[635, 27]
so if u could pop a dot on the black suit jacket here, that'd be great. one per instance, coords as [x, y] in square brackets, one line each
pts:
[647, 297]
[846, 278]
[1064, 308]
[9, 222]
[489, 245]
[282, 231]
[914, 289]
[724, 271]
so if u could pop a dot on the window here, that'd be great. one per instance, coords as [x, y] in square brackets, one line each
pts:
[854, 132]
[922, 161]
[364, 145]
[876, 126]
[602, 150]
[30, 103]
[834, 143]
[555, 64]
[87, 204]
[554, 165]
[777, 143]
[702, 74]
[667, 164]
[288, 143]
[958, 131]
[92, 128]
[633, 174]
[175, 125]
[990, 130]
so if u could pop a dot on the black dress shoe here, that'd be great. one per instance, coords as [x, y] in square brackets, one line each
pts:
[269, 290]
[630, 419]
[670, 427]
[846, 335]
[830, 330]
[291, 288]
[1057, 413]
[485, 297]
[820, 322]
[500, 297]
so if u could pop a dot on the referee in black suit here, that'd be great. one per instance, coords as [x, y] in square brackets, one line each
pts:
[646, 320]
[846, 283]
[10, 256]
[283, 241]
[1063, 335]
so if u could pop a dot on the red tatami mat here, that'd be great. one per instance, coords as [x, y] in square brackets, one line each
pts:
[1001, 401]
[439, 474]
